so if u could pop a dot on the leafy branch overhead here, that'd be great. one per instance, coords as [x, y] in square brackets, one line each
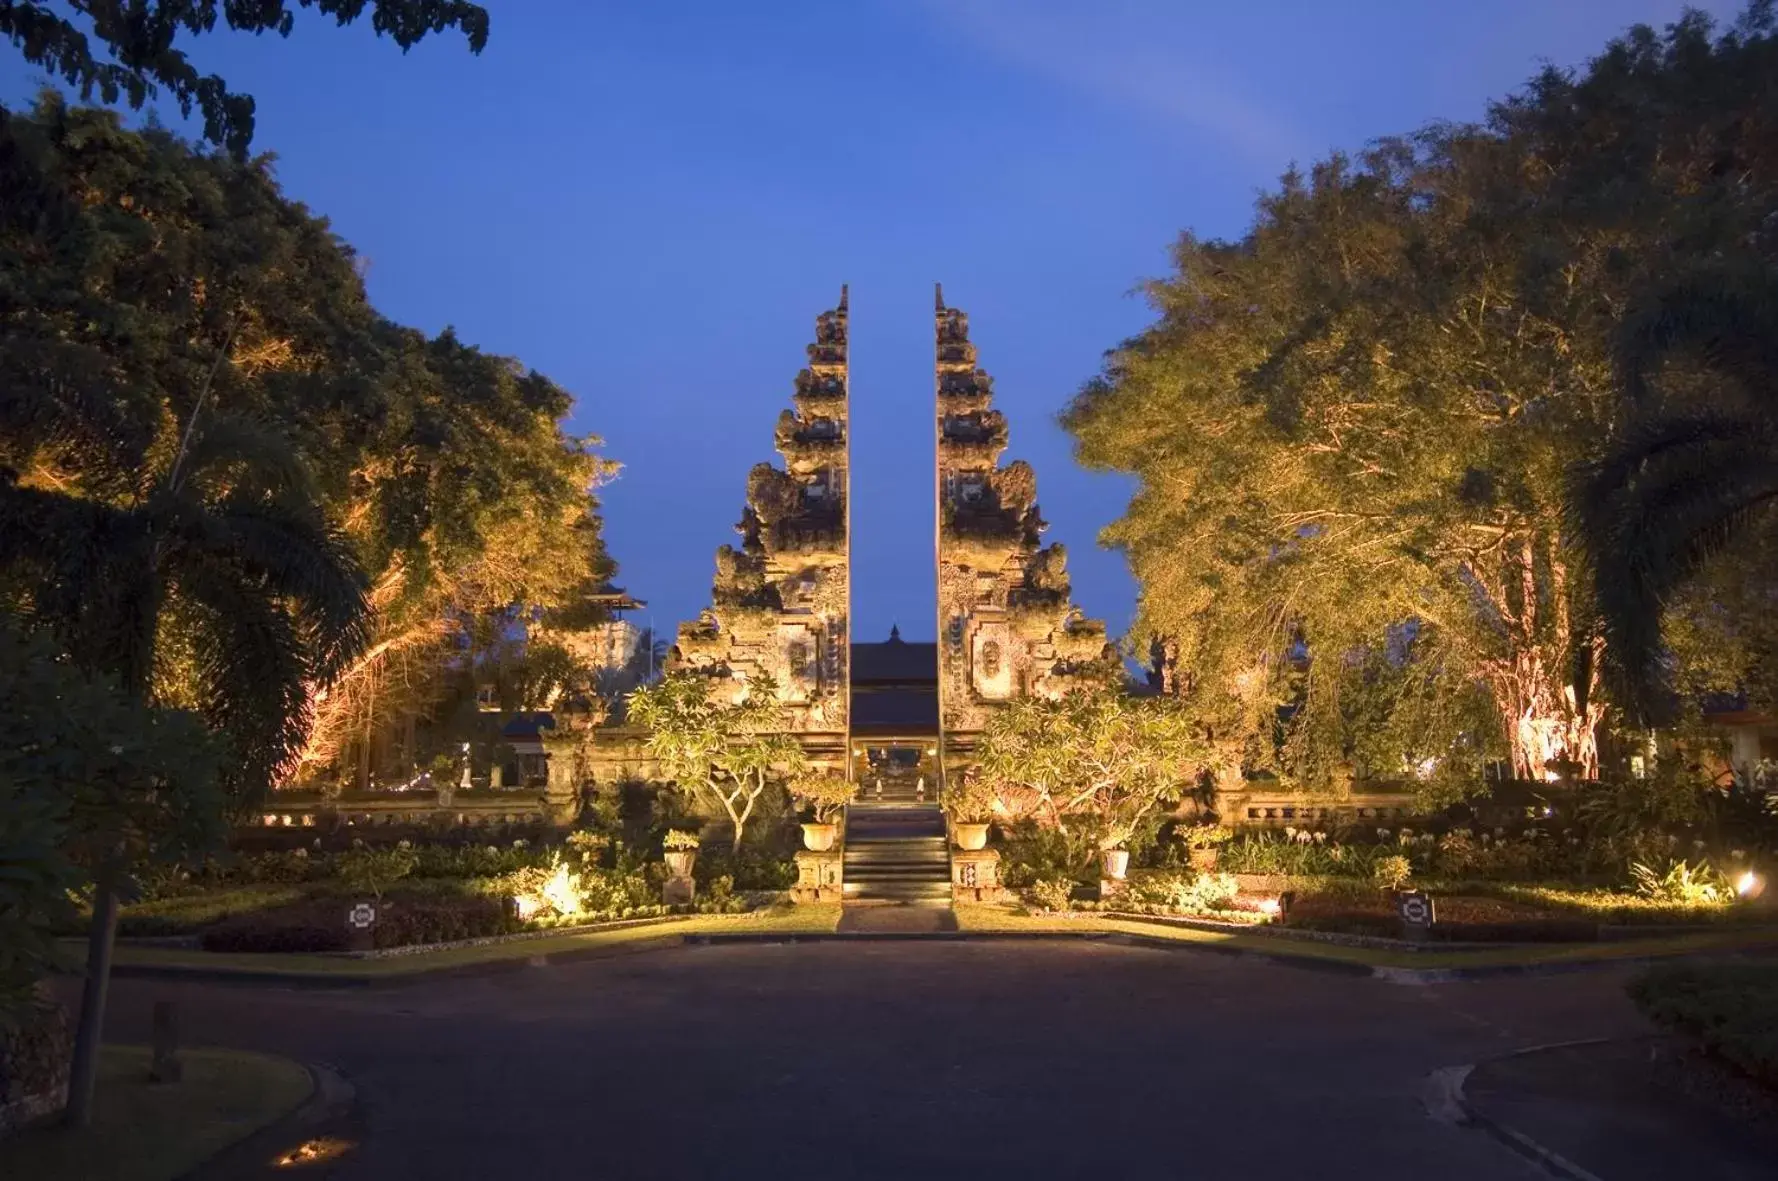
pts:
[129, 49]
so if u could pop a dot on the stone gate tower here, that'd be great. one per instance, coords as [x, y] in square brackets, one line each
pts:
[781, 602]
[1006, 624]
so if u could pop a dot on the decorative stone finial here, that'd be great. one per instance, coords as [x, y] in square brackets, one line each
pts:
[938, 291]
[843, 292]
[894, 634]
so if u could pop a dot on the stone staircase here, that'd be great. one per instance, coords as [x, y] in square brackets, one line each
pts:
[896, 853]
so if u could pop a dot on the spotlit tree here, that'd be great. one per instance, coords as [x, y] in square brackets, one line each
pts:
[728, 753]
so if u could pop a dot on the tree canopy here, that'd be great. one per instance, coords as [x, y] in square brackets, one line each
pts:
[1354, 428]
[140, 270]
[135, 55]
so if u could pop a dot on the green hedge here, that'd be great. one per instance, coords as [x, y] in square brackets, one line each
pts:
[1731, 1008]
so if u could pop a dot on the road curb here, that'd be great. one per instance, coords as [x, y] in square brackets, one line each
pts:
[1290, 957]
[271, 977]
[1446, 1100]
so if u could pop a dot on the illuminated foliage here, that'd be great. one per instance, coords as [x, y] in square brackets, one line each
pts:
[725, 752]
[1358, 423]
[1093, 756]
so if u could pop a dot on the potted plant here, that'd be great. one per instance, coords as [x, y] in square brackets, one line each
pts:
[826, 793]
[1115, 862]
[969, 804]
[1203, 843]
[682, 850]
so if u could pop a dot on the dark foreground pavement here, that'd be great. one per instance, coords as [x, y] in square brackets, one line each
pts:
[902, 1060]
[1642, 1109]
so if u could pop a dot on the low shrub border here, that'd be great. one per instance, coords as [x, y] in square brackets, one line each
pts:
[1731, 1009]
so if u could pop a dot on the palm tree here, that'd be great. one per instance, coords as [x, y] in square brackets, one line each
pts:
[203, 546]
[1694, 470]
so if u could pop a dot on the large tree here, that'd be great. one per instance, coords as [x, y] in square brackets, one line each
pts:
[1354, 427]
[127, 49]
[134, 260]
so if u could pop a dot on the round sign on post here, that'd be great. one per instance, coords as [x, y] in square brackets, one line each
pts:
[1416, 913]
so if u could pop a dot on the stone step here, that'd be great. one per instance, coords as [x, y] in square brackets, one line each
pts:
[873, 844]
[897, 891]
[934, 862]
[933, 868]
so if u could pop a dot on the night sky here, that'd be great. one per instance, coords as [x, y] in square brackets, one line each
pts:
[650, 204]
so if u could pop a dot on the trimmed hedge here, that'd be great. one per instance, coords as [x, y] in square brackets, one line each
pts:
[321, 926]
[1731, 1008]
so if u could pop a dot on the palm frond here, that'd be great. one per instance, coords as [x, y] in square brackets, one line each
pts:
[253, 675]
[234, 454]
[1725, 315]
[287, 549]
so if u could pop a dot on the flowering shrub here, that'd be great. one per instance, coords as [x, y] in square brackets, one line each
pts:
[1183, 893]
[1052, 893]
[371, 871]
[1392, 872]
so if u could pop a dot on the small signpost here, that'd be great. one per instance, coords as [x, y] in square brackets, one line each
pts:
[1417, 914]
[361, 920]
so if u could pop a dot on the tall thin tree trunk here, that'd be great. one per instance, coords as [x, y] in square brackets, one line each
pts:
[84, 1073]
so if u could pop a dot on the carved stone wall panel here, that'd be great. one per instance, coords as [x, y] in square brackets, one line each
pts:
[1006, 624]
[781, 599]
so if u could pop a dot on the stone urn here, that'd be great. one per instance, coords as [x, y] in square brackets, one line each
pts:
[1203, 860]
[819, 838]
[1116, 863]
[970, 837]
[679, 861]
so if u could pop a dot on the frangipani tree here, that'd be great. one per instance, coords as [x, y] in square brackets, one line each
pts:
[1093, 754]
[727, 753]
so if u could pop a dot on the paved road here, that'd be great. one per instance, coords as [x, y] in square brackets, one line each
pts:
[903, 1060]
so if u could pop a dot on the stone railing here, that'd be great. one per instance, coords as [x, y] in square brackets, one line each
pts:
[1276, 808]
[473, 808]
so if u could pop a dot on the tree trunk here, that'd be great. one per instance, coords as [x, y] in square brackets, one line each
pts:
[84, 1072]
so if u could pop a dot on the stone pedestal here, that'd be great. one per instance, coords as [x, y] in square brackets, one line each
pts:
[678, 890]
[975, 875]
[1110, 888]
[818, 876]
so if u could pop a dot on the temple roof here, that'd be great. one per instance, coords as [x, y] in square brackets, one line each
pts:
[895, 662]
[895, 713]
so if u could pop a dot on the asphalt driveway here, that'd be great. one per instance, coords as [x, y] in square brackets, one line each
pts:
[901, 1060]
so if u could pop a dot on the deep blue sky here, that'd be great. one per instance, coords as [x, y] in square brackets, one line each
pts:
[650, 203]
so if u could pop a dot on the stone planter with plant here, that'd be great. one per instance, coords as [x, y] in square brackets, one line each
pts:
[826, 794]
[681, 848]
[1203, 844]
[968, 804]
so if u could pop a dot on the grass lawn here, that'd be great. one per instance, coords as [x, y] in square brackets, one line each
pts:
[991, 918]
[151, 1132]
[812, 918]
